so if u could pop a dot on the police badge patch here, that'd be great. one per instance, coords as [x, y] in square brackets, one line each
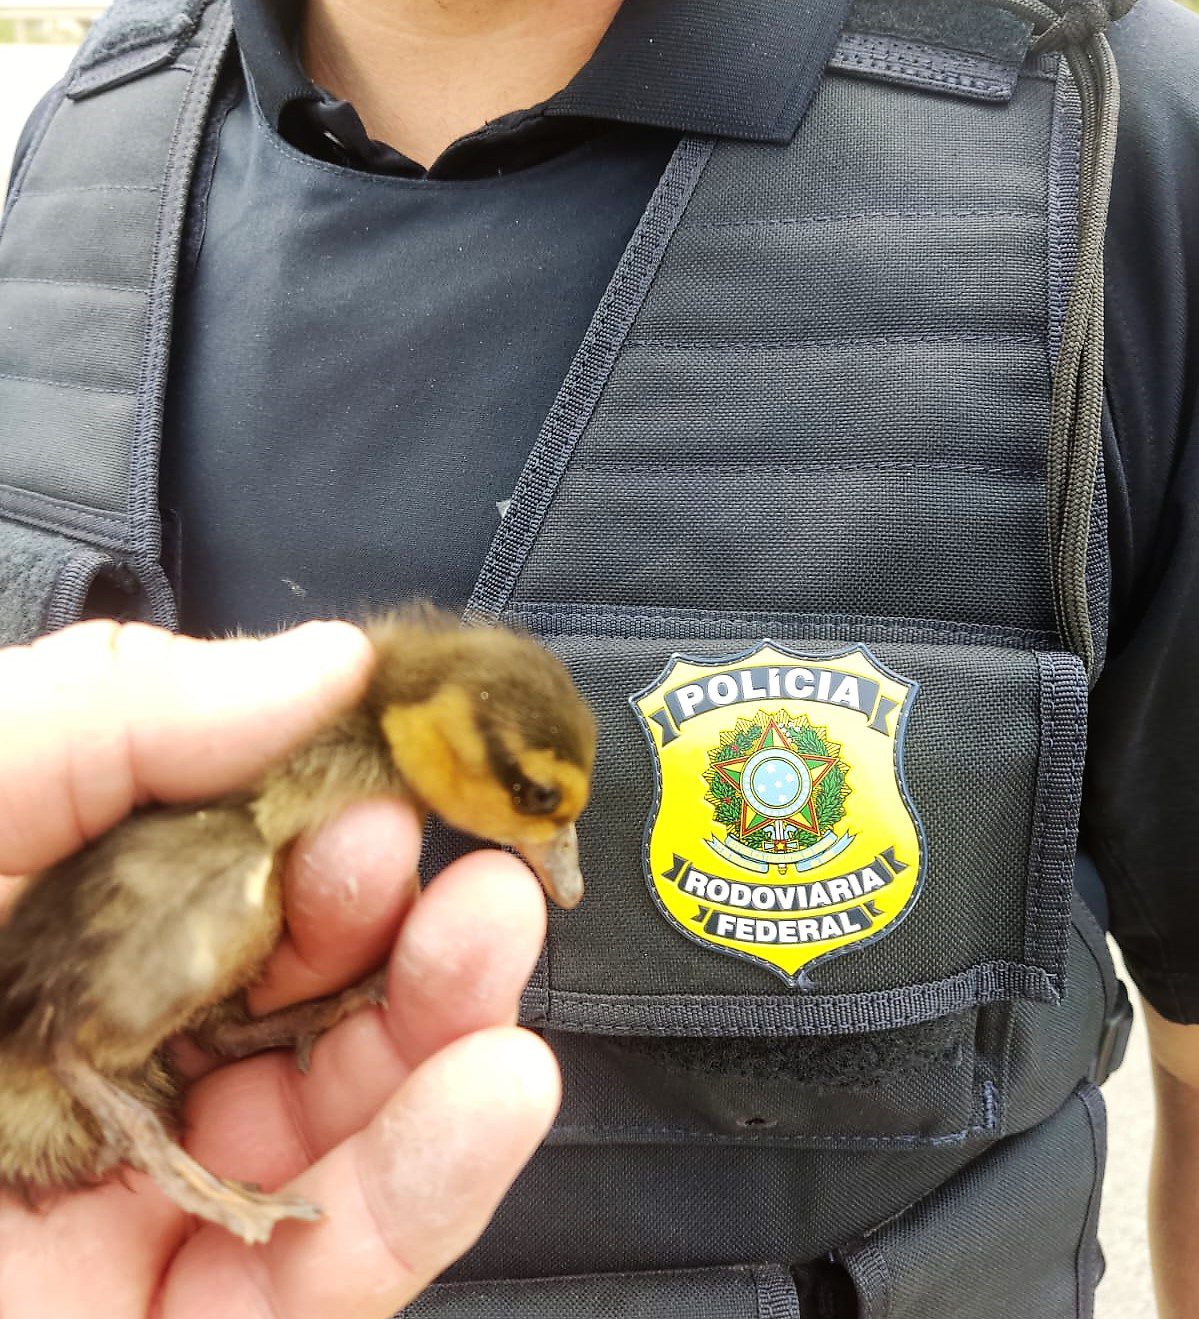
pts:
[782, 830]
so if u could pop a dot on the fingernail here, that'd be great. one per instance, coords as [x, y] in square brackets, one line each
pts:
[326, 645]
[333, 636]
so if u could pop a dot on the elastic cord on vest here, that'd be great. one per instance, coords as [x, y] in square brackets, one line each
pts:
[1082, 21]
[1077, 408]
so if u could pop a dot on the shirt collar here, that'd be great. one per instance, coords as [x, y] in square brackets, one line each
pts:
[743, 70]
[724, 68]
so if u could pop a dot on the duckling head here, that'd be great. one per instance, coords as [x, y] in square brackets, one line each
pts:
[489, 733]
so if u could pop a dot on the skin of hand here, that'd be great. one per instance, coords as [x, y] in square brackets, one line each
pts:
[1174, 1179]
[413, 1120]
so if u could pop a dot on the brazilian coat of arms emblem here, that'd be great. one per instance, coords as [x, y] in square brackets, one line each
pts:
[782, 830]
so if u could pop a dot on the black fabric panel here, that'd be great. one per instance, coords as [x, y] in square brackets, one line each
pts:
[1003, 1236]
[589, 1208]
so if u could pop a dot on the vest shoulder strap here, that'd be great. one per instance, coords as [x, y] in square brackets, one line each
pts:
[88, 257]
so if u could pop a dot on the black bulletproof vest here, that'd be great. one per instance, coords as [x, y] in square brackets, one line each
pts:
[815, 523]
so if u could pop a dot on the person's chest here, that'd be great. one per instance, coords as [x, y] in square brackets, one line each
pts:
[362, 364]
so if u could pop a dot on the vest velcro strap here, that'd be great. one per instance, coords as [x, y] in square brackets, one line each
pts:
[46, 579]
[130, 40]
[971, 50]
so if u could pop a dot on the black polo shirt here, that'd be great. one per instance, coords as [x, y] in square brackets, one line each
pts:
[315, 463]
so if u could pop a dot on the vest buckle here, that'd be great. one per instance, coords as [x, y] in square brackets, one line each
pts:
[1113, 1040]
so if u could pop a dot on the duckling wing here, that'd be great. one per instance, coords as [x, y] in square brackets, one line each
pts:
[118, 946]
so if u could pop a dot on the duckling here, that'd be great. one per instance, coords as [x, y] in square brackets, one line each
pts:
[159, 925]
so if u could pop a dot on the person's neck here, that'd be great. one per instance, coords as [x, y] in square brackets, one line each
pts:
[421, 73]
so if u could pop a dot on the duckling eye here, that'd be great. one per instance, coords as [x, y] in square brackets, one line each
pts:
[536, 798]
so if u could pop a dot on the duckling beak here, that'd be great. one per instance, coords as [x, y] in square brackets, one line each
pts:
[556, 863]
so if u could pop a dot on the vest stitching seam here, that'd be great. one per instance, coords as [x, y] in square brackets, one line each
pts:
[66, 504]
[106, 531]
[66, 384]
[74, 284]
[938, 77]
[593, 635]
[927, 54]
[984, 982]
[1062, 209]
[552, 613]
[833, 1141]
[879, 56]
[1002, 1056]
[851, 340]
[990, 1100]
[861, 465]
[631, 1275]
[1046, 760]
[833, 217]
[940, 62]
[90, 187]
[1047, 915]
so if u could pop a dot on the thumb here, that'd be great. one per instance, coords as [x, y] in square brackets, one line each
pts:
[101, 717]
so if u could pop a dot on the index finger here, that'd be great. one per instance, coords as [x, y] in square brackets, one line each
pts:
[101, 717]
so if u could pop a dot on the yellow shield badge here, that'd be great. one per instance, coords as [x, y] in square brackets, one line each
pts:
[782, 831]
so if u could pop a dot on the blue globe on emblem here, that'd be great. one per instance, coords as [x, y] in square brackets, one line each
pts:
[776, 782]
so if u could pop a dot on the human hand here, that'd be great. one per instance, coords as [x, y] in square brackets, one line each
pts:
[413, 1120]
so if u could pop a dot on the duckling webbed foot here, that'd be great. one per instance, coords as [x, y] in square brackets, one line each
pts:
[134, 1135]
[230, 1032]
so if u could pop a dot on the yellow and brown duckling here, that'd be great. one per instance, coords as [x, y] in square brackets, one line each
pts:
[160, 924]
